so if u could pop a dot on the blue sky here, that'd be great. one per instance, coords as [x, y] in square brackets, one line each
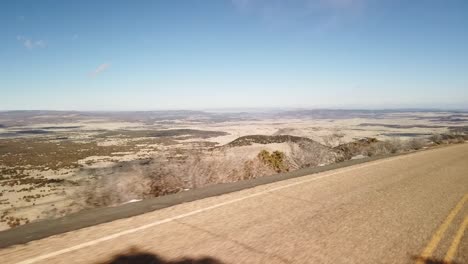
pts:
[202, 54]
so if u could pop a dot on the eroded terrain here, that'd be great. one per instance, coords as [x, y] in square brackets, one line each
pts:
[55, 163]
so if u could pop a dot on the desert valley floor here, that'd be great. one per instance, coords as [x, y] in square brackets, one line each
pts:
[54, 163]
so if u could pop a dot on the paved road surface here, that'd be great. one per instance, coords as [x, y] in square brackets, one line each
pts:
[405, 209]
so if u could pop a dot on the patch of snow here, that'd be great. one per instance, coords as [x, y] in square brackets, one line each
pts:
[360, 156]
[132, 201]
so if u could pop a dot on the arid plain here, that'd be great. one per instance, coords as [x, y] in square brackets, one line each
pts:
[53, 163]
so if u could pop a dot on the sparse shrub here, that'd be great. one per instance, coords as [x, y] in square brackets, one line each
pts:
[355, 148]
[117, 188]
[163, 184]
[436, 139]
[449, 138]
[275, 160]
[395, 145]
[333, 140]
[204, 170]
[392, 146]
[163, 176]
[415, 143]
[256, 168]
[379, 148]
[307, 154]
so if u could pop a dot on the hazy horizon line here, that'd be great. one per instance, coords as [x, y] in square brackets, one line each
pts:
[249, 109]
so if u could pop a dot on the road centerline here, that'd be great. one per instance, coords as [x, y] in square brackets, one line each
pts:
[435, 239]
[456, 241]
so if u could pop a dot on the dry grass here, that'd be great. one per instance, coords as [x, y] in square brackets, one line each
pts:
[449, 138]
[334, 139]
[163, 176]
[310, 154]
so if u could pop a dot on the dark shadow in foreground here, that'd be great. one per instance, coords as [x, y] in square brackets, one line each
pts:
[138, 257]
[432, 260]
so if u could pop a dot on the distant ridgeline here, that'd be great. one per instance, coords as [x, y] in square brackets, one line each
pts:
[264, 139]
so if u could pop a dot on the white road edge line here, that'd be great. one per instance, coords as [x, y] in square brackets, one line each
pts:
[159, 222]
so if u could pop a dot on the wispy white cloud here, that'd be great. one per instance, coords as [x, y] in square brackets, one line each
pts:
[30, 43]
[101, 68]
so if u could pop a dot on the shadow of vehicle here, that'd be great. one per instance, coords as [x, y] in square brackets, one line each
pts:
[139, 257]
[432, 260]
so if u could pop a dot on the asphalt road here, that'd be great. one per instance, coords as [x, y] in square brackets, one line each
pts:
[404, 209]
